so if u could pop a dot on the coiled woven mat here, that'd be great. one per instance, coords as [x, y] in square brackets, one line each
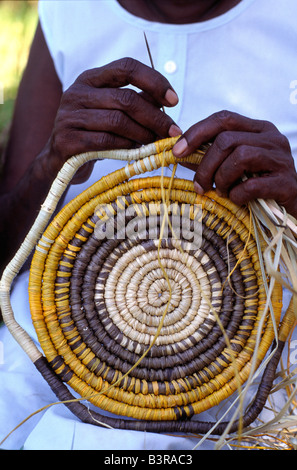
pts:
[153, 326]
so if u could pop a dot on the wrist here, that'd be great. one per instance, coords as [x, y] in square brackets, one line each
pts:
[46, 166]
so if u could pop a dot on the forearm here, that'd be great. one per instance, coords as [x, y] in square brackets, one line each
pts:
[20, 206]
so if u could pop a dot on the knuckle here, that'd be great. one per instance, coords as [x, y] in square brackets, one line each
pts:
[122, 72]
[233, 167]
[105, 141]
[83, 77]
[78, 119]
[284, 142]
[268, 126]
[273, 134]
[126, 68]
[126, 98]
[66, 98]
[87, 77]
[116, 120]
[244, 154]
[224, 141]
[277, 140]
[71, 96]
[128, 64]
[224, 117]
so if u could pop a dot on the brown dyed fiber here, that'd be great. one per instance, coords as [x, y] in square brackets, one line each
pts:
[149, 320]
[97, 303]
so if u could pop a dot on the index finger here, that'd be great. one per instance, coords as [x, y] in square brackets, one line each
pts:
[128, 71]
[207, 129]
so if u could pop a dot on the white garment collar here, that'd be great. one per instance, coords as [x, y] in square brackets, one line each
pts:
[146, 25]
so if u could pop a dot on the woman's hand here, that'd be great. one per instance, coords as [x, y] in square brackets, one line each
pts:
[248, 159]
[99, 112]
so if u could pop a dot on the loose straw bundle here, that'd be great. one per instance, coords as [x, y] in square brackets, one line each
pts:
[157, 329]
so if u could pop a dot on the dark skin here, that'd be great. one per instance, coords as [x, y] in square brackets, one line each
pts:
[96, 114]
[178, 11]
[242, 147]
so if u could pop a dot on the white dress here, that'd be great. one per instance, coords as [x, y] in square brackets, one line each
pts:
[243, 61]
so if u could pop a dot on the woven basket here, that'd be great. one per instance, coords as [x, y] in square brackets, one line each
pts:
[149, 325]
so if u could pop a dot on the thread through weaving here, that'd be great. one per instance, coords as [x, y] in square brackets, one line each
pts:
[178, 382]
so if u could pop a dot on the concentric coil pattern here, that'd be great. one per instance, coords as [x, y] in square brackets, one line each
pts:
[98, 296]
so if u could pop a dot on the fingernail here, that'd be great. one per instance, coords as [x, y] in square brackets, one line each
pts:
[180, 147]
[198, 189]
[171, 97]
[174, 131]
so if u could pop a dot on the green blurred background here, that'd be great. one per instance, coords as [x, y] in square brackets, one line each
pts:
[18, 20]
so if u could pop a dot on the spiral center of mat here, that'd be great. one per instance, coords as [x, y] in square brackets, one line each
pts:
[143, 318]
[105, 276]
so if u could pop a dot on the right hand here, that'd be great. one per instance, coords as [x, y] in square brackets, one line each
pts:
[96, 113]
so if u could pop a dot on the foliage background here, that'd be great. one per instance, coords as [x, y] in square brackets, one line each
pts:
[18, 21]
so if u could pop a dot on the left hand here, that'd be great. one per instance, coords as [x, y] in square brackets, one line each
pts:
[242, 147]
